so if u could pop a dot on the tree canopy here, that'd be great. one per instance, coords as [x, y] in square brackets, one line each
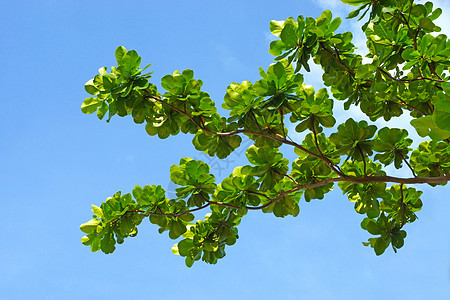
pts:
[406, 70]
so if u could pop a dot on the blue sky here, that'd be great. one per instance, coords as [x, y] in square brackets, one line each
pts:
[57, 161]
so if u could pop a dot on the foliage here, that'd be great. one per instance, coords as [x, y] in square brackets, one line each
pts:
[405, 71]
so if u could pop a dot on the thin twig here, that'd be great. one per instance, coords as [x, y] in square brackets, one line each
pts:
[402, 206]
[409, 80]
[403, 102]
[324, 158]
[288, 176]
[407, 163]
[364, 159]
[337, 59]
[256, 121]
[282, 122]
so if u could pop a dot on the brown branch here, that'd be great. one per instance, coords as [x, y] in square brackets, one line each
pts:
[363, 158]
[260, 194]
[234, 132]
[325, 159]
[409, 80]
[256, 121]
[365, 179]
[342, 177]
[404, 103]
[218, 228]
[385, 178]
[288, 176]
[406, 22]
[337, 58]
[410, 9]
[297, 188]
[415, 40]
[224, 204]
[407, 163]
[147, 213]
[282, 122]
[429, 106]
[280, 196]
[178, 214]
[275, 138]
[402, 206]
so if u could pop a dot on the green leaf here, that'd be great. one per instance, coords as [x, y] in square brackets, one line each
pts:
[288, 35]
[425, 126]
[278, 70]
[356, 2]
[427, 24]
[446, 87]
[90, 105]
[353, 139]
[90, 226]
[177, 228]
[373, 228]
[91, 88]
[441, 114]
[189, 261]
[131, 59]
[356, 12]
[276, 27]
[97, 211]
[107, 243]
[120, 52]
[380, 246]
[442, 119]
[334, 25]
[102, 110]
[185, 246]
[130, 63]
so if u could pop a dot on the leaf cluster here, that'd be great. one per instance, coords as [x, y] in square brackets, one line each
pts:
[406, 70]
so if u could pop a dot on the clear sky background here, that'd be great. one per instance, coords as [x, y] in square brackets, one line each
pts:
[56, 161]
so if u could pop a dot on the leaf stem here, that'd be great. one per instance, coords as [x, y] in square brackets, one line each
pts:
[407, 163]
[364, 160]
[282, 122]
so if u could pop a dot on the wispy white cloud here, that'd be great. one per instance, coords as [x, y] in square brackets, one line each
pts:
[229, 61]
[338, 8]
[330, 4]
[444, 20]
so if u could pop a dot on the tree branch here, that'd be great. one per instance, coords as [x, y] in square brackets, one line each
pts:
[288, 176]
[364, 159]
[146, 213]
[234, 132]
[282, 122]
[325, 159]
[407, 163]
[409, 80]
[365, 179]
[337, 58]
[402, 206]
[256, 121]
[404, 103]
[343, 177]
